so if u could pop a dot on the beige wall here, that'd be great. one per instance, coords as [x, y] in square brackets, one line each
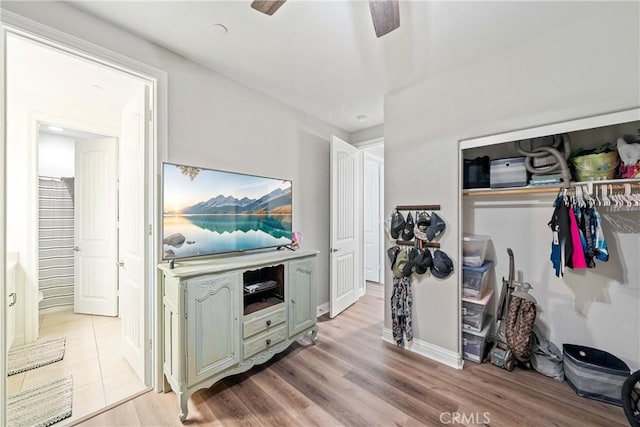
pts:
[588, 68]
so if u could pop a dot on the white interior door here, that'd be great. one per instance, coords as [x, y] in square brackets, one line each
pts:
[133, 234]
[371, 216]
[96, 286]
[346, 225]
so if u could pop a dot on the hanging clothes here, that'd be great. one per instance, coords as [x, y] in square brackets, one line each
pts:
[401, 313]
[577, 236]
[602, 251]
[577, 257]
[561, 245]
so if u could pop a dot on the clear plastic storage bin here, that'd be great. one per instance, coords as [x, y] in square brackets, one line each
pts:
[473, 344]
[475, 280]
[474, 249]
[473, 315]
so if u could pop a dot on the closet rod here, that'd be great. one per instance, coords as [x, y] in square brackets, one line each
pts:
[418, 207]
[545, 189]
[412, 243]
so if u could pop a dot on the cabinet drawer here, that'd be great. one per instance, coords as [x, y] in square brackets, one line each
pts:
[264, 341]
[262, 322]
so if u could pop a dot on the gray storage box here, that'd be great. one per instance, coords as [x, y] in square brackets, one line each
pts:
[509, 172]
[594, 373]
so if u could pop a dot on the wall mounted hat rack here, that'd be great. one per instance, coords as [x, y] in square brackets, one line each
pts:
[423, 244]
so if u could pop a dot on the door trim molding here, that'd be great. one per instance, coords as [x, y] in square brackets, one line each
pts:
[31, 264]
[12, 23]
[381, 241]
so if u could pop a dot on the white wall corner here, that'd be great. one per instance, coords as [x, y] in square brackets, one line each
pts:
[322, 309]
[430, 351]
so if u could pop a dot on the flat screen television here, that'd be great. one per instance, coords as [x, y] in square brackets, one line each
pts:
[207, 212]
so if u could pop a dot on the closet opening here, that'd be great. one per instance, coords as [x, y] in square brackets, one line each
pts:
[593, 304]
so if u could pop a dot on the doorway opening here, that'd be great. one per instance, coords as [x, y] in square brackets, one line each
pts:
[79, 146]
[356, 222]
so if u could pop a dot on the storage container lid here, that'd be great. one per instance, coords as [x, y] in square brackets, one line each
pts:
[475, 237]
[484, 267]
[483, 333]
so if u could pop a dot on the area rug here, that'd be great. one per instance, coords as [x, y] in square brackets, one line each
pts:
[34, 355]
[41, 406]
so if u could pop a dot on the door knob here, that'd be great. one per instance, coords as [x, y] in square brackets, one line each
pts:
[76, 249]
[13, 296]
[334, 250]
[120, 264]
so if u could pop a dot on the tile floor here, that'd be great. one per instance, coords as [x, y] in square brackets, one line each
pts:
[101, 375]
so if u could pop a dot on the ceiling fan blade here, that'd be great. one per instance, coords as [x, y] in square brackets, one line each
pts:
[267, 6]
[386, 16]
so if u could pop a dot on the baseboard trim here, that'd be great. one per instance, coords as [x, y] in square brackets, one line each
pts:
[322, 309]
[430, 351]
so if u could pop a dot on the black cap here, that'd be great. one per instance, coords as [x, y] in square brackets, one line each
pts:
[436, 228]
[397, 224]
[407, 232]
[393, 253]
[410, 266]
[423, 262]
[442, 265]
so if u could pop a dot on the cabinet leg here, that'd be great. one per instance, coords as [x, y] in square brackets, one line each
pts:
[182, 402]
[314, 335]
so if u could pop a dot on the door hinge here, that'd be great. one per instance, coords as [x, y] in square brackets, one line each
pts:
[150, 115]
[149, 230]
[149, 344]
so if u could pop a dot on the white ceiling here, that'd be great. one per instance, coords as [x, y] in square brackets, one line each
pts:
[323, 58]
[64, 85]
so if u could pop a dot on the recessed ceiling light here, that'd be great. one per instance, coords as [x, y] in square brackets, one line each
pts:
[362, 118]
[56, 128]
[97, 87]
[220, 28]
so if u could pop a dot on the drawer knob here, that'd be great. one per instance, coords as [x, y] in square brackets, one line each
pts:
[268, 342]
[268, 322]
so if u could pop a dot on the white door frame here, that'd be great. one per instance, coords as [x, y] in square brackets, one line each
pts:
[15, 24]
[361, 146]
[35, 119]
[380, 162]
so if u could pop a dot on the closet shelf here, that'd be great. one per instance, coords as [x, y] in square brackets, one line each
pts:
[550, 188]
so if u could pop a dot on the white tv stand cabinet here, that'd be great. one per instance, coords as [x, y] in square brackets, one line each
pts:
[213, 328]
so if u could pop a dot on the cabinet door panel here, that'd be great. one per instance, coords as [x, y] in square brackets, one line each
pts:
[302, 295]
[213, 312]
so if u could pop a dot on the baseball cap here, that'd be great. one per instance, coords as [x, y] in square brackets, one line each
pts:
[436, 227]
[398, 267]
[397, 224]
[442, 265]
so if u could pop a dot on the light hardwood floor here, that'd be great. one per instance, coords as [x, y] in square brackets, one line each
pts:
[352, 378]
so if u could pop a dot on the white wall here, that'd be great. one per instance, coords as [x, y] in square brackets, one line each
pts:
[587, 68]
[56, 155]
[218, 123]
